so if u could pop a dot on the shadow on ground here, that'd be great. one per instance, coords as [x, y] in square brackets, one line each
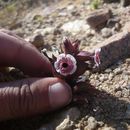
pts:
[103, 107]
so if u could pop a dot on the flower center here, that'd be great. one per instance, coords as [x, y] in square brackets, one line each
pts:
[64, 65]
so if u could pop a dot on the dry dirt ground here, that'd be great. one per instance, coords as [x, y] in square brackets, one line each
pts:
[109, 106]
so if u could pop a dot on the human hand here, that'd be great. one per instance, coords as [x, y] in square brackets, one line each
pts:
[33, 95]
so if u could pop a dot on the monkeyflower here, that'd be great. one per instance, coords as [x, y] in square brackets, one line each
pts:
[65, 64]
[72, 63]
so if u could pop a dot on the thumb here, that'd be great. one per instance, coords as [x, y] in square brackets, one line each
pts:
[32, 96]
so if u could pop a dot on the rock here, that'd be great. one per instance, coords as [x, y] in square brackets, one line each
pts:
[19, 32]
[125, 3]
[73, 113]
[98, 17]
[92, 124]
[122, 128]
[106, 32]
[109, 1]
[66, 118]
[127, 114]
[125, 93]
[102, 78]
[108, 70]
[127, 72]
[38, 17]
[47, 127]
[75, 13]
[111, 76]
[128, 61]
[114, 49]
[65, 125]
[117, 27]
[57, 31]
[16, 25]
[63, 14]
[126, 28]
[117, 71]
[70, 7]
[100, 123]
[108, 128]
[118, 94]
[75, 26]
[38, 40]
[44, 31]
[112, 22]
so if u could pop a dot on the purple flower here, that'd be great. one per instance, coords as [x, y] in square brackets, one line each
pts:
[96, 57]
[72, 62]
[65, 64]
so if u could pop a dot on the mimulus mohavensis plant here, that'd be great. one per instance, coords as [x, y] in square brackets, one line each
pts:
[72, 63]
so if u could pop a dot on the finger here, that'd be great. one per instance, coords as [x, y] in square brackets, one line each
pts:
[10, 33]
[32, 96]
[15, 51]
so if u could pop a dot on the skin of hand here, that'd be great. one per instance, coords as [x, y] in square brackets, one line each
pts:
[39, 94]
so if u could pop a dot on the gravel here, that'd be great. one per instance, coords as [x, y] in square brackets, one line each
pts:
[109, 105]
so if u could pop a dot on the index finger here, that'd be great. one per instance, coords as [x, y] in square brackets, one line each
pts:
[15, 51]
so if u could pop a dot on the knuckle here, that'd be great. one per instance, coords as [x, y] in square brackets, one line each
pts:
[20, 99]
[25, 97]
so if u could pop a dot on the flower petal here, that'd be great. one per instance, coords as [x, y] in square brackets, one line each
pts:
[76, 44]
[81, 68]
[85, 56]
[97, 57]
[68, 47]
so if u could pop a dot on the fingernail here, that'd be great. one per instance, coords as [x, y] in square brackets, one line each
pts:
[59, 95]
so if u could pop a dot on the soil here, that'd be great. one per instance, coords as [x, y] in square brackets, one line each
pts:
[109, 106]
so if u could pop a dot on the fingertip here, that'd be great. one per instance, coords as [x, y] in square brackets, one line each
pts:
[59, 94]
[51, 93]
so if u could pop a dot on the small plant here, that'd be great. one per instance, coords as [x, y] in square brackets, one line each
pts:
[11, 8]
[71, 62]
[95, 4]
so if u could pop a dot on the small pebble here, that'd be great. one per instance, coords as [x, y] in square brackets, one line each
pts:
[106, 32]
[92, 124]
[111, 76]
[65, 125]
[117, 71]
[108, 128]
